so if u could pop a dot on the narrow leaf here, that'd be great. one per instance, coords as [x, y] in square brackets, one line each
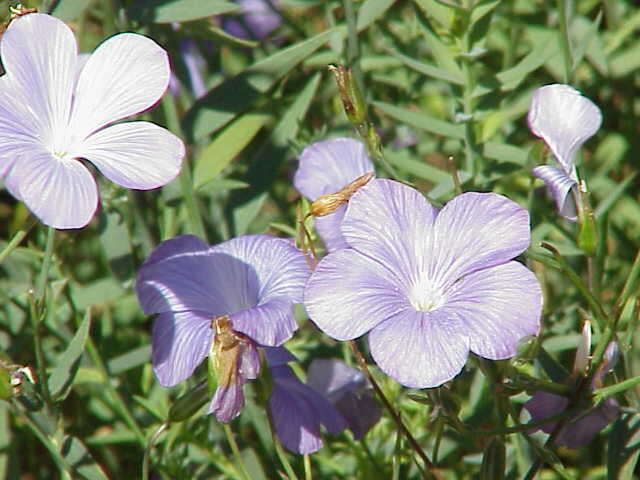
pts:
[158, 11]
[370, 11]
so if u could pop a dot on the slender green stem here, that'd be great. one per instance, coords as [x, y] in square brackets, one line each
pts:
[282, 456]
[472, 155]
[631, 285]
[120, 404]
[66, 472]
[41, 285]
[236, 451]
[196, 225]
[147, 451]
[565, 41]
[353, 48]
[17, 239]
[593, 302]
[394, 415]
[602, 393]
[308, 474]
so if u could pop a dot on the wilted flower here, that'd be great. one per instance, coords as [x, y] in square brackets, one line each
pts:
[348, 390]
[297, 410]
[579, 429]
[224, 301]
[429, 285]
[259, 18]
[56, 109]
[564, 119]
[326, 167]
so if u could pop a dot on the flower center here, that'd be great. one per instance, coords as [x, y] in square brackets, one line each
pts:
[425, 296]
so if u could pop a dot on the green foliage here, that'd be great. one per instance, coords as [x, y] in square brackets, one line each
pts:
[456, 78]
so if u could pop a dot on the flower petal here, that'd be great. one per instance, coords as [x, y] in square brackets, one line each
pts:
[126, 75]
[559, 185]
[228, 401]
[182, 275]
[180, 342]
[420, 349]
[581, 430]
[564, 119]
[329, 228]
[281, 269]
[328, 166]
[39, 54]
[475, 231]
[297, 412]
[271, 324]
[361, 411]
[277, 356]
[333, 378]
[258, 16]
[497, 307]
[543, 405]
[348, 294]
[391, 223]
[61, 193]
[138, 155]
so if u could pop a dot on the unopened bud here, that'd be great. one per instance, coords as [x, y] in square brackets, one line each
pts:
[583, 351]
[327, 204]
[587, 233]
[350, 94]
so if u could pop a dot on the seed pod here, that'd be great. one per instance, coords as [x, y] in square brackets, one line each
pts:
[327, 204]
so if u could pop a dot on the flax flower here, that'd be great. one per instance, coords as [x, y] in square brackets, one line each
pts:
[347, 389]
[326, 167]
[581, 428]
[564, 119]
[428, 285]
[57, 108]
[297, 410]
[259, 18]
[224, 301]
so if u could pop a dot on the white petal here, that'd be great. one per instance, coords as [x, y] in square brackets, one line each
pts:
[138, 155]
[559, 185]
[39, 53]
[126, 75]
[61, 193]
[564, 119]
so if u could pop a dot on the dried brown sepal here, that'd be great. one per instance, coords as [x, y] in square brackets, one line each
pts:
[350, 94]
[327, 204]
[228, 346]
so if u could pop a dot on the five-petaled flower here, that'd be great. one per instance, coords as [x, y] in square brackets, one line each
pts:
[429, 285]
[56, 108]
[581, 428]
[564, 119]
[297, 410]
[326, 167]
[224, 301]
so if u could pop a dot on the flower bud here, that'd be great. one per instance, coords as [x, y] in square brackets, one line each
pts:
[327, 204]
[350, 94]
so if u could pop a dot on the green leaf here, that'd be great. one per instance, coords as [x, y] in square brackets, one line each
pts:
[70, 10]
[114, 236]
[226, 146]
[623, 451]
[614, 195]
[370, 11]
[270, 156]
[160, 11]
[127, 361]
[429, 70]
[78, 457]
[443, 55]
[422, 121]
[65, 371]
[234, 96]
[543, 51]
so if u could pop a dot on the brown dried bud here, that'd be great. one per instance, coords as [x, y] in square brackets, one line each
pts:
[327, 204]
[228, 346]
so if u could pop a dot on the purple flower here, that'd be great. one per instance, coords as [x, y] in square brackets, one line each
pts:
[326, 167]
[348, 390]
[223, 301]
[579, 429]
[259, 19]
[297, 410]
[564, 119]
[429, 285]
[56, 109]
